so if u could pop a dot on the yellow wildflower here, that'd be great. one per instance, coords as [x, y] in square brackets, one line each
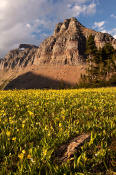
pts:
[28, 156]
[23, 151]
[30, 113]
[21, 156]
[44, 152]
[63, 117]
[23, 125]
[8, 133]
[14, 138]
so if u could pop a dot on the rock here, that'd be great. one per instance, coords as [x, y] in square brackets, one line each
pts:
[17, 59]
[74, 144]
[68, 150]
[57, 29]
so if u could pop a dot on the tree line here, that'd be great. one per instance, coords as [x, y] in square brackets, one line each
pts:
[101, 67]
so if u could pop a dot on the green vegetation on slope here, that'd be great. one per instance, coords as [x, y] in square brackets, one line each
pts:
[34, 124]
[101, 68]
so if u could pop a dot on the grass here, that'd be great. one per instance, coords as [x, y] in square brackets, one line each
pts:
[35, 123]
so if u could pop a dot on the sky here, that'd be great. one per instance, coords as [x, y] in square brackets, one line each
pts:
[31, 21]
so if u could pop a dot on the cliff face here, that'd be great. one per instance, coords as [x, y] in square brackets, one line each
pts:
[65, 47]
[19, 58]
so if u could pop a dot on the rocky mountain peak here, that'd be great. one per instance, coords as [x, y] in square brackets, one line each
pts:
[65, 47]
[68, 24]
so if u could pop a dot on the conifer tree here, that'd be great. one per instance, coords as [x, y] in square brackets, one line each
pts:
[92, 59]
[101, 63]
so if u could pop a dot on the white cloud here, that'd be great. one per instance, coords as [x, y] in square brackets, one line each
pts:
[113, 16]
[28, 26]
[91, 9]
[104, 31]
[3, 4]
[29, 21]
[85, 9]
[99, 25]
[113, 32]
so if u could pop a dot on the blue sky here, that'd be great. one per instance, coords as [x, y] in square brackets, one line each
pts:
[31, 21]
[105, 15]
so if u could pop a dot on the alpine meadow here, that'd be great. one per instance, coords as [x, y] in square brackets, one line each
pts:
[34, 124]
[57, 87]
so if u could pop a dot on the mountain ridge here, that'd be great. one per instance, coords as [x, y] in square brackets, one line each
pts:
[65, 47]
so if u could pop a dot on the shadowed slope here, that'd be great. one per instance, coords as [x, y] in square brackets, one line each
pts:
[30, 80]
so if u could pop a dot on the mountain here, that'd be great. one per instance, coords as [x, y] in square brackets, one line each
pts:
[62, 51]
